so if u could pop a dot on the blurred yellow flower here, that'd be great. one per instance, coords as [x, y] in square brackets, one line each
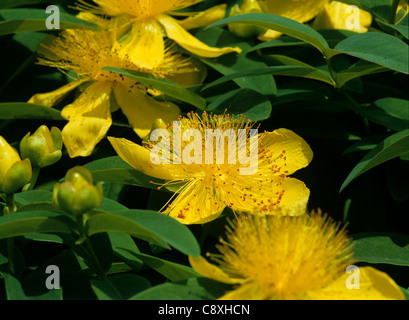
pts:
[150, 21]
[328, 15]
[86, 52]
[292, 258]
[338, 15]
[298, 10]
[211, 180]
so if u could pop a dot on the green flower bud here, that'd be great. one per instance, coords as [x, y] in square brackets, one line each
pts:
[77, 194]
[241, 29]
[14, 172]
[43, 148]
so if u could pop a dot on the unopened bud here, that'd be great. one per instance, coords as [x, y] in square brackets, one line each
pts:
[77, 194]
[43, 148]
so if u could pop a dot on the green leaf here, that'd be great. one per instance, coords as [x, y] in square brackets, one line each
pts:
[227, 64]
[402, 27]
[382, 248]
[392, 113]
[28, 20]
[362, 68]
[114, 169]
[292, 67]
[22, 110]
[14, 291]
[190, 289]
[171, 270]
[30, 222]
[281, 24]
[15, 3]
[124, 247]
[251, 104]
[150, 226]
[379, 48]
[392, 147]
[119, 287]
[165, 86]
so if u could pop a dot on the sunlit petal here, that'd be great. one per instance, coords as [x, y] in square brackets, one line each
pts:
[177, 33]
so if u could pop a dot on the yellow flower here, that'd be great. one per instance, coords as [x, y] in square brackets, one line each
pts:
[212, 178]
[298, 10]
[86, 52]
[338, 15]
[150, 21]
[14, 172]
[292, 258]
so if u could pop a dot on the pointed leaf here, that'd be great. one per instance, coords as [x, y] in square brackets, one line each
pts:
[392, 147]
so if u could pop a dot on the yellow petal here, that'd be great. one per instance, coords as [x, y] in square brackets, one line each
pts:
[373, 285]
[204, 18]
[51, 98]
[301, 11]
[195, 204]
[175, 32]
[92, 18]
[89, 119]
[298, 10]
[337, 15]
[139, 158]
[290, 151]
[144, 45]
[191, 78]
[142, 110]
[284, 197]
[208, 270]
[248, 291]
[269, 35]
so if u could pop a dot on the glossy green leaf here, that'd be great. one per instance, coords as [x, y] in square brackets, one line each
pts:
[171, 270]
[30, 222]
[232, 63]
[119, 286]
[14, 290]
[281, 24]
[360, 69]
[150, 226]
[382, 248]
[28, 20]
[294, 71]
[382, 49]
[251, 104]
[22, 110]
[190, 289]
[165, 86]
[392, 147]
[392, 113]
[114, 169]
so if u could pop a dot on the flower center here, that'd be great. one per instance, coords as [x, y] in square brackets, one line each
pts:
[87, 52]
[285, 256]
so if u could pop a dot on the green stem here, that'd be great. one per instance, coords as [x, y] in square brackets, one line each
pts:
[100, 271]
[392, 14]
[10, 208]
[29, 186]
[332, 73]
